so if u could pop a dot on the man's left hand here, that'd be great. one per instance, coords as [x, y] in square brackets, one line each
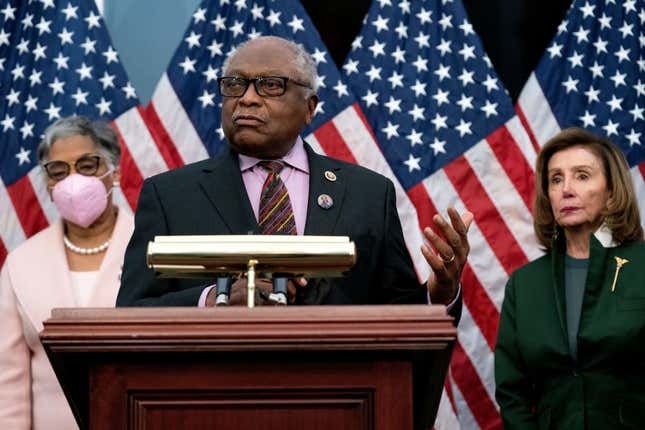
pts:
[449, 258]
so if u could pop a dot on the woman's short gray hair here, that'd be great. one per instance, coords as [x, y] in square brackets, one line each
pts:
[103, 136]
[302, 60]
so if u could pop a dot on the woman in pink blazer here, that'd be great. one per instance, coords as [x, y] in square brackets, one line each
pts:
[74, 262]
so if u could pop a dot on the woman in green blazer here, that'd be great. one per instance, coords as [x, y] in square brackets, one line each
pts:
[570, 349]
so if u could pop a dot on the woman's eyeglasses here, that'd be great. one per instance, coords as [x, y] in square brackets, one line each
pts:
[86, 165]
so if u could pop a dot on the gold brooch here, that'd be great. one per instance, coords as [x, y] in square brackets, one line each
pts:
[620, 262]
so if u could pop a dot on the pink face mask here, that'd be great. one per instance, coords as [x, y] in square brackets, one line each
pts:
[80, 199]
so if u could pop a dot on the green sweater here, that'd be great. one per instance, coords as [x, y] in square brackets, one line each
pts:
[539, 386]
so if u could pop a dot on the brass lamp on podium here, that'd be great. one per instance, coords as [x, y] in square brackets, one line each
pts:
[267, 256]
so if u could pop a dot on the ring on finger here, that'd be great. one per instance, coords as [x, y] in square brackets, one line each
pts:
[447, 260]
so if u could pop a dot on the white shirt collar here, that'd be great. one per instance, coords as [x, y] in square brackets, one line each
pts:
[605, 237]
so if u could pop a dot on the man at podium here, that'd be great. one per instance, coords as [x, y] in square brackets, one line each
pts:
[270, 181]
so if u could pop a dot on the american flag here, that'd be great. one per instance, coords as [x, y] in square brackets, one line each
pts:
[592, 75]
[56, 59]
[447, 132]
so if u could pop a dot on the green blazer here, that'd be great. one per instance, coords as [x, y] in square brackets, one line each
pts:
[538, 384]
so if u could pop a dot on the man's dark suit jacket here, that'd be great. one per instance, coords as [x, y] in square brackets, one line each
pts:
[209, 197]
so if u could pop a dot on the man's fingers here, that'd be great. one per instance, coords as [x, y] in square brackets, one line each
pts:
[445, 254]
[441, 273]
[291, 290]
[460, 223]
[452, 238]
[456, 233]
[238, 290]
[292, 287]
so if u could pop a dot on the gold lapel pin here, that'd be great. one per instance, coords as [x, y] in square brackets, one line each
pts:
[620, 262]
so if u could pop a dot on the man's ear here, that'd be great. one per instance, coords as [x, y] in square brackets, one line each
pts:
[312, 102]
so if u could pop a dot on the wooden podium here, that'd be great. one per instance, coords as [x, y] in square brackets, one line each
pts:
[267, 368]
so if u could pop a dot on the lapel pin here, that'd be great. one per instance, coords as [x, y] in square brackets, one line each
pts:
[620, 262]
[331, 176]
[325, 201]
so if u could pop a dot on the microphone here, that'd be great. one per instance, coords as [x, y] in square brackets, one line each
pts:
[223, 290]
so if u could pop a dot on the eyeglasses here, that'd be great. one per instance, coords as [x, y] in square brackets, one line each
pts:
[265, 86]
[86, 165]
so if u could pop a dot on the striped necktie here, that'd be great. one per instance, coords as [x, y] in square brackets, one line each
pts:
[275, 213]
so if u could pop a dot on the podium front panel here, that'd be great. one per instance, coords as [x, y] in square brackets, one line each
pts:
[313, 367]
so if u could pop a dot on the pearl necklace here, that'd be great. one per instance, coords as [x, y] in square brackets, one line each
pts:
[85, 251]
